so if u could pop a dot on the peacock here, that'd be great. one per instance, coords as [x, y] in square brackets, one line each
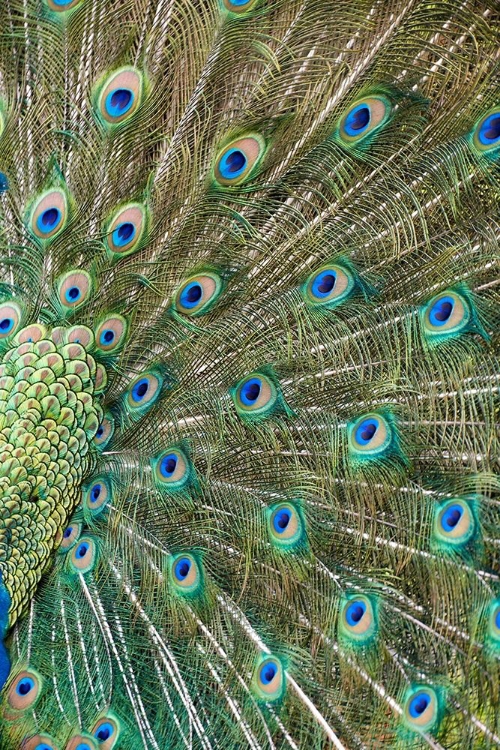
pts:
[249, 374]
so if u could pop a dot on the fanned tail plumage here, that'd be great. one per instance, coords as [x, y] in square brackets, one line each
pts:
[249, 376]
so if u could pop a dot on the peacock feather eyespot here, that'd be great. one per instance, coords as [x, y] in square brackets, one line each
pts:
[494, 623]
[445, 312]
[104, 432]
[82, 742]
[172, 469]
[24, 691]
[358, 621]
[329, 286]
[118, 96]
[269, 682]
[80, 335]
[111, 334]
[70, 536]
[186, 574]
[107, 732]
[197, 295]
[96, 495]
[143, 392]
[371, 436]
[62, 6]
[30, 334]
[74, 289]
[455, 523]
[48, 214]
[83, 555]
[448, 315]
[10, 319]
[40, 742]
[422, 708]
[486, 134]
[238, 160]
[363, 118]
[286, 525]
[238, 7]
[126, 229]
[255, 396]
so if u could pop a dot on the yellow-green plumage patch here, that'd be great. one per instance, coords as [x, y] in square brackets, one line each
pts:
[46, 403]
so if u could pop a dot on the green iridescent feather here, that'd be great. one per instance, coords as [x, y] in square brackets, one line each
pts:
[249, 361]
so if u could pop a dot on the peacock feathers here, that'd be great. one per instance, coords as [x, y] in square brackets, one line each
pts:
[249, 378]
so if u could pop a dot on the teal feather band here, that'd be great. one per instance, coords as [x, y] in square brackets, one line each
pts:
[4, 624]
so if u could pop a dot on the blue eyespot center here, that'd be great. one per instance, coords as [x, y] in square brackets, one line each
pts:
[191, 294]
[83, 746]
[268, 672]
[355, 612]
[43, 745]
[419, 704]
[100, 431]
[182, 568]
[366, 431]
[6, 324]
[250, 391]
[104, 732]
[497, 618]
[357, 120]
[125, 231]
[140, 389]
[168, 465]
[235, 161]
[441, 310]
[119, 101]
[48, 220]
[123, 234]
[324, 283]
[82, 550]
[72, 294]
[107, 337]
[451, 517]
[95, 493]
[281, 520]
[67, 532]
[121, 98]
[4, 183]
[25, 686]
[489, 132]
[232, 163]
[327, 284]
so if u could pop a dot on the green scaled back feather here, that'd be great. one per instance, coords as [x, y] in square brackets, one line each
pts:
[249, 375]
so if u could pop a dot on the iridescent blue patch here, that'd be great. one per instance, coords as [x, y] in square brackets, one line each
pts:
[4, 623]
[268, 672]
[357, 120]
[232, 163]
[119, 101]
[419, 704]
[48, 220]
[489, 132]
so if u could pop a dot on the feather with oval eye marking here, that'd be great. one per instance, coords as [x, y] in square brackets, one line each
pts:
[249, 377]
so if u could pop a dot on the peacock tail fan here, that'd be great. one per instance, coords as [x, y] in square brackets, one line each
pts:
[249, 374]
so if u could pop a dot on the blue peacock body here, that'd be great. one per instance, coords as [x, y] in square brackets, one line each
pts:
[249, 375]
